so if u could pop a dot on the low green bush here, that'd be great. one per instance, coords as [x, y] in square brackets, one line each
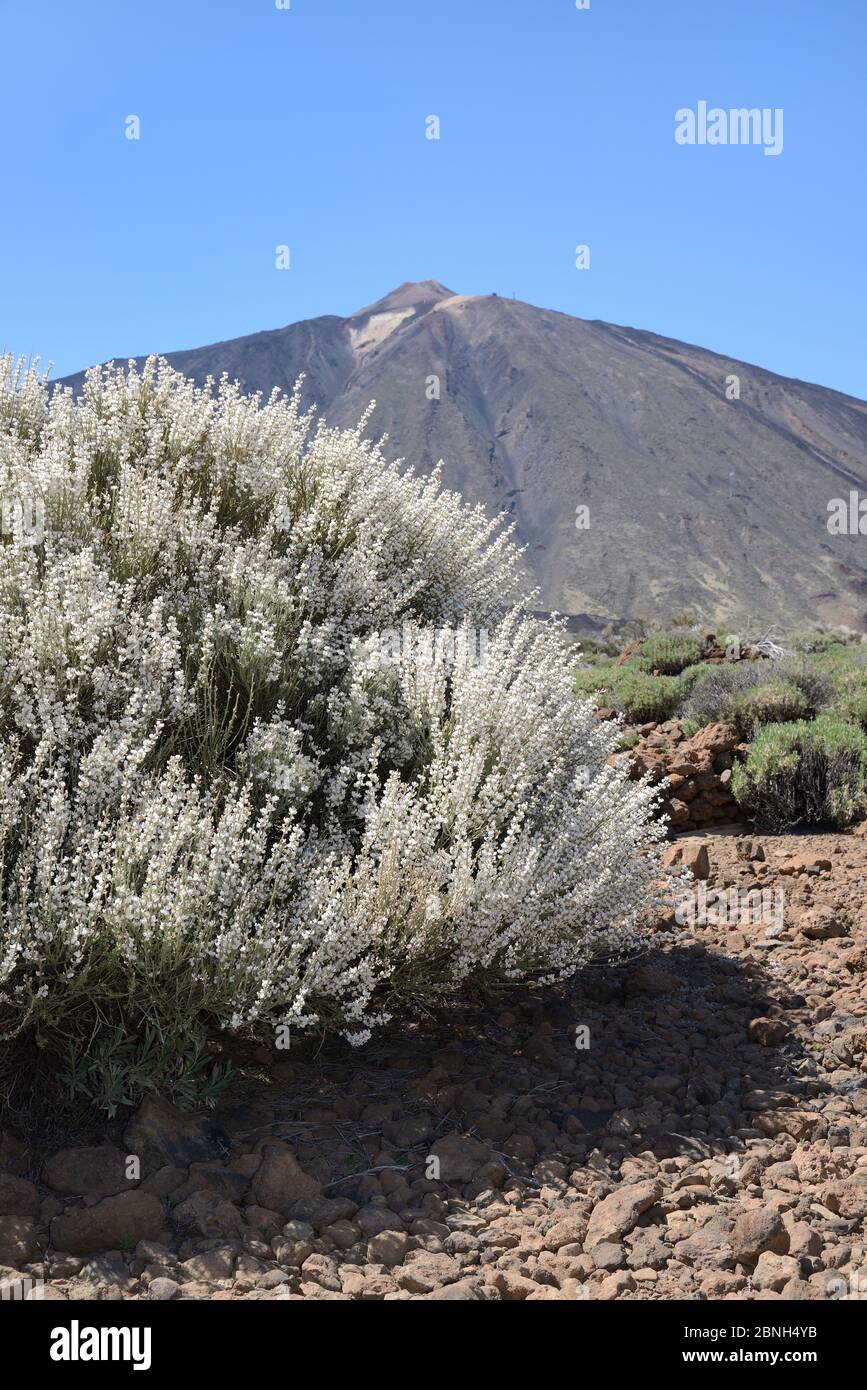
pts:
[850, 690]
[640, 697]
[691, 677]
[709, 699]
[814, 684]
[645, 699]
[804, 772]
[593, 680]
[818, 641]
[854, 708]
[728, 694]
[669, 653]
[838, 659]
[775, 702]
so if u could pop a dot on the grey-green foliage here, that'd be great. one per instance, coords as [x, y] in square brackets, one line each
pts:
[810, 772]
[718, 695]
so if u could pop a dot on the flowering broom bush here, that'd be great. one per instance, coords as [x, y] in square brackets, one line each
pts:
[220, 809]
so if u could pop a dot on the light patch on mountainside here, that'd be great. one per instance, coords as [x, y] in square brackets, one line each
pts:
[456, 301]
[375, 330]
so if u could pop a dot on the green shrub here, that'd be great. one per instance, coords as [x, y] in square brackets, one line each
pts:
[724, 694]
[692, 676]
[640, 697]
[593, 680]
[853, 708]
[709, 701]
[820, 640]
[775, 702]
[804, 772]
[838, 659]
[645, 699]
[850, 690]
[849, 680]
[669, 653]
[815, 685]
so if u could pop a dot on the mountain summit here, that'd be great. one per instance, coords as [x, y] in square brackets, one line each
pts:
[416, 296]
[370, 327]
[706, 481]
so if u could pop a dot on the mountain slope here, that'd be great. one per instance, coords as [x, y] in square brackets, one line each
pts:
[695, 500]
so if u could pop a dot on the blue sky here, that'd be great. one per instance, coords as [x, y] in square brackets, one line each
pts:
[306, 127]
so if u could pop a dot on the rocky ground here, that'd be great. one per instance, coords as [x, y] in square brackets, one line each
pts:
[690, 1124]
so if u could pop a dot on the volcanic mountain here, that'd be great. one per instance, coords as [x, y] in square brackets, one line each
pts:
[707, 481]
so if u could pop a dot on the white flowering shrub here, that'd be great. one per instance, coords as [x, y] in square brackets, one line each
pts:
[220, 808]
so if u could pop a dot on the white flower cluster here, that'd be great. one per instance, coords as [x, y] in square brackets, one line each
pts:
[218, 806]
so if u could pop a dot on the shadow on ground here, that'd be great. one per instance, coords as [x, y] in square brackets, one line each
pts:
[665, 1065]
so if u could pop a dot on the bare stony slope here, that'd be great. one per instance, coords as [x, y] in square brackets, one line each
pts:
[695, 500]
